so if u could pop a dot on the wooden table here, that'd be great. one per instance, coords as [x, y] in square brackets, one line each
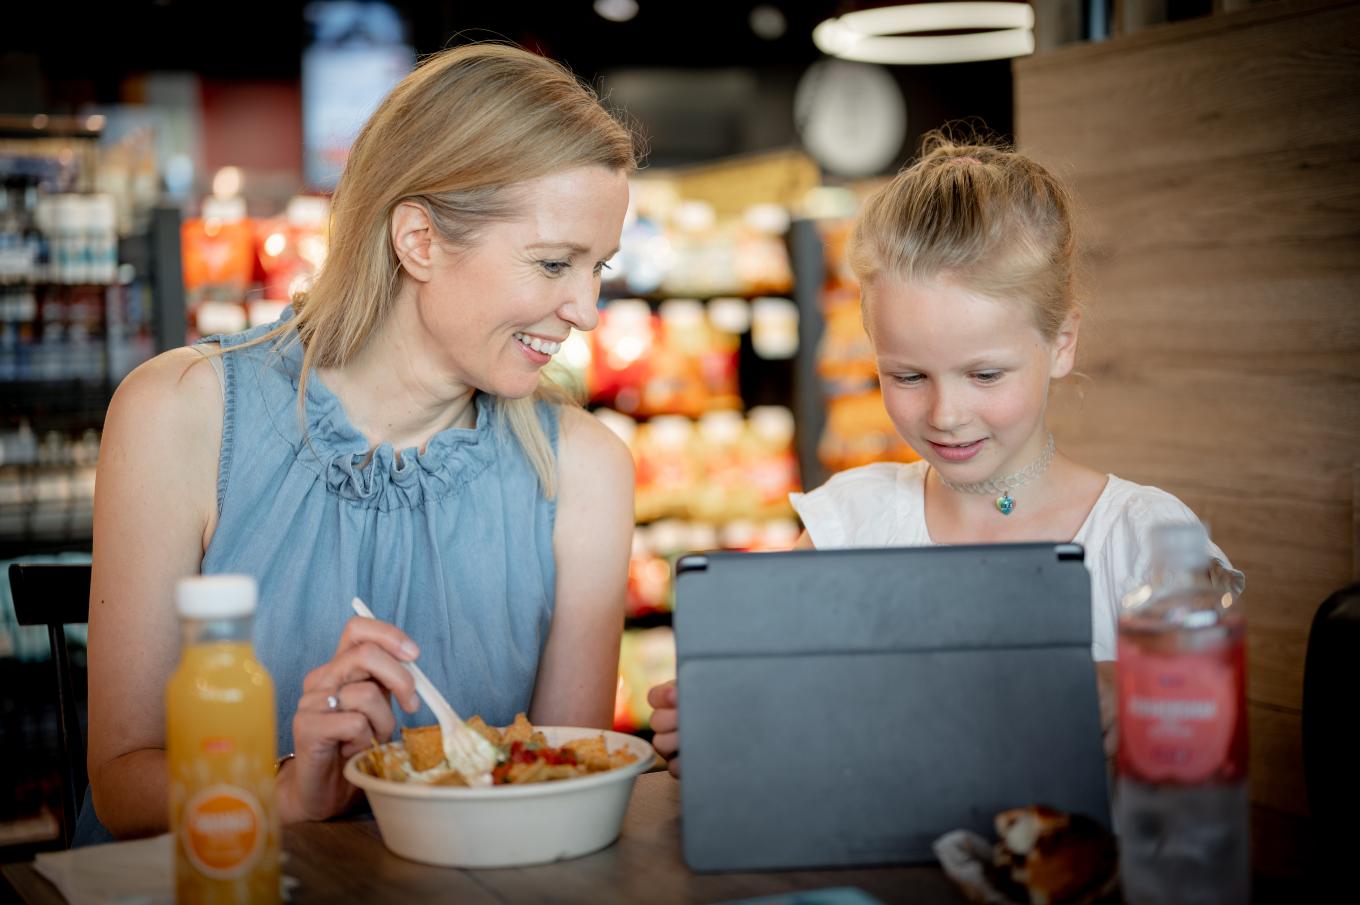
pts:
[345, 860]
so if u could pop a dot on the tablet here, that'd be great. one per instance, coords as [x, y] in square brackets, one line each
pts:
[847, 707]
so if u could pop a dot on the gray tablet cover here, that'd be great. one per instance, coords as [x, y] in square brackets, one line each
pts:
[848, 707]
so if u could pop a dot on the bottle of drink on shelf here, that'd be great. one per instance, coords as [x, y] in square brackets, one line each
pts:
[221, 750]
[1181, 801]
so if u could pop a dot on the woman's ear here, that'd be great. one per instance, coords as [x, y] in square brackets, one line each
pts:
[413, 239]
[1064, 346]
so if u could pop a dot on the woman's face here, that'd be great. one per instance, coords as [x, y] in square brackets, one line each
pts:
[498, 311]
[964, 377]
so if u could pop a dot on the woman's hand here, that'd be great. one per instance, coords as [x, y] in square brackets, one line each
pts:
[345, 705]
[666, 724]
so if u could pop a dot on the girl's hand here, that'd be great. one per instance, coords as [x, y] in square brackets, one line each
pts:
[666, 724]
[1108, 691]
[345, 705]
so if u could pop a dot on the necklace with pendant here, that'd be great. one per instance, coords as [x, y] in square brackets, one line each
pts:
[1005, 504]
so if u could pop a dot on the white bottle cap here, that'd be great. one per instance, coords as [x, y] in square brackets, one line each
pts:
[215, 596]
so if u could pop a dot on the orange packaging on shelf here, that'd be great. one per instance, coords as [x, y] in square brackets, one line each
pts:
[858, 432]
[292, 248]
[762, 263]
[728, 319]
[771, 466]
[845, 359]
[621, 349]
[675, 382]
[666, 469]
[218, 249]
[649, 577]
[724, 491]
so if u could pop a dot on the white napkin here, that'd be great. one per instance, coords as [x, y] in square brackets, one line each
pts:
[141, 872]
[128, 873]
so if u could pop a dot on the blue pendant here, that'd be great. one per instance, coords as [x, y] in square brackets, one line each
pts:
[1005, 504]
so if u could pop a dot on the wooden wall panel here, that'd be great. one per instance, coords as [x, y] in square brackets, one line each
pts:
[1216, 165]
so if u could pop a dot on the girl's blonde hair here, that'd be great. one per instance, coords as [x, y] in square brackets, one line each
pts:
[455, 136]
[983, 215]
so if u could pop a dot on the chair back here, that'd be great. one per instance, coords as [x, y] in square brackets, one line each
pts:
[56, 595]
[1331, 687]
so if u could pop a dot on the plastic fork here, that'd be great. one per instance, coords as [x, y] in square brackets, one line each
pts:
[465, 749]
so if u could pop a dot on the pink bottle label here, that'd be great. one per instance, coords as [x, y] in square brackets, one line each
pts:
[1180, 714]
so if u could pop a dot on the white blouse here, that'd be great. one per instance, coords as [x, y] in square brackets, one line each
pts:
[883, 505]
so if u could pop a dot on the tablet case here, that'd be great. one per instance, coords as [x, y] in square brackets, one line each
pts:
[848, 707]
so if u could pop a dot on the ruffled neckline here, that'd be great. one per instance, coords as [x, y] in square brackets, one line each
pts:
[381, 478]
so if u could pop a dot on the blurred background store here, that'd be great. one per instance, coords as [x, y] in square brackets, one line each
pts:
[166, 165]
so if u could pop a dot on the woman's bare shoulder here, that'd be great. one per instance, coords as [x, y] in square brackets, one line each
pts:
[588, 450]
[174, 398]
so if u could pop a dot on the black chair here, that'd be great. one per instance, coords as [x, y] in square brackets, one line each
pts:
[1331, 688]
[57, 595]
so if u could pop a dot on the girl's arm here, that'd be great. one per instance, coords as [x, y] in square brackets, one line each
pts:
[1109, 704]
[155, 506]
[592, 540]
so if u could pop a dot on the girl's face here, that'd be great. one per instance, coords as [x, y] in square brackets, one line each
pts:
[964, 377]
[497, 312]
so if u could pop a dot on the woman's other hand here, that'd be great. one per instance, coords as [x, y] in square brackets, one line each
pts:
[666, 724]
[345, 706]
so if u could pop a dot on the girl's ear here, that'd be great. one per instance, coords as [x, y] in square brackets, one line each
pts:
[1064, 347]
[412, 239]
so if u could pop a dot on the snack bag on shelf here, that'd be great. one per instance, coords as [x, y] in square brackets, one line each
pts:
[728, 319]
[770, 466]
[666, 467]
[762, 263]
[724, 490]
[835, 237]
[774, 328]
[621, 348]
[649, 577]
[845, 359]
[218, 251]
[858, 431]
[293, 247]
[675, 383]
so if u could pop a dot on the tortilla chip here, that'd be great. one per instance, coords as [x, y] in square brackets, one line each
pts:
[490, 733]
[521, 730]
[424, 746]
[590, 752]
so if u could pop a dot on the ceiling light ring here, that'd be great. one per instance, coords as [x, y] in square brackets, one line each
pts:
[884, 35]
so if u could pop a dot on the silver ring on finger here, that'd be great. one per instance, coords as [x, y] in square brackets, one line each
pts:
[333, 703]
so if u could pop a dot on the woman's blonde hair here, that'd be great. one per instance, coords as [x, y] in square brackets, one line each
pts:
[984, 215]
[455, 136]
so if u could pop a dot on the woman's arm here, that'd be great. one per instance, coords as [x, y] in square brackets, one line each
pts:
[155, 507]
[592, 539]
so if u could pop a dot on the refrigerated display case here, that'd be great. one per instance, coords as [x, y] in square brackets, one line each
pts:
[80, 282]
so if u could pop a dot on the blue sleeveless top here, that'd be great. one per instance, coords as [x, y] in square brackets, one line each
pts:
[453, 545]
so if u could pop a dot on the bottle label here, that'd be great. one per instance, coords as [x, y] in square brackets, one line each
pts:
[1180, 715]
[223, 831]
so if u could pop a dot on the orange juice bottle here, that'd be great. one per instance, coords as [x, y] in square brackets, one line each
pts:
[221, 750]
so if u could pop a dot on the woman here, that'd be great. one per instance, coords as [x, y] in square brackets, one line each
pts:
[391, 437]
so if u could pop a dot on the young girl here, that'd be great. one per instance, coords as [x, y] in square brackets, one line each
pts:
[965, 262]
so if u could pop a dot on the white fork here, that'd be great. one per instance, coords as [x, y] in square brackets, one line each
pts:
[465, 749]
